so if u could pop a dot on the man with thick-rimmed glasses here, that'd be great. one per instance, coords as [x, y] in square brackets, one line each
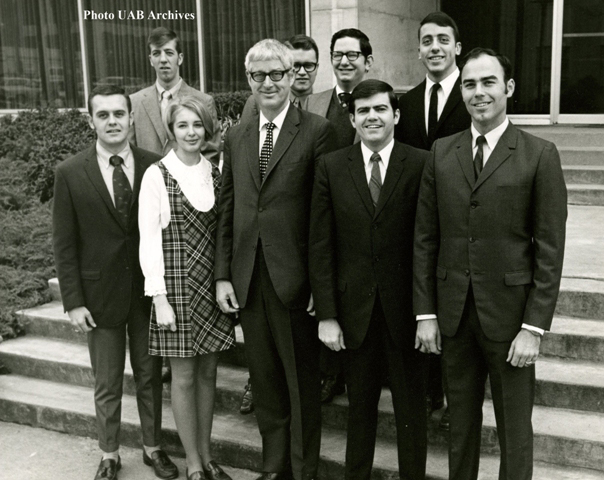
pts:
[261, 267]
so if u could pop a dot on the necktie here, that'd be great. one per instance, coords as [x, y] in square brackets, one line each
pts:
[344, 98]
[122, 192]
[296, 102]
[267, 148]
[433, 113]
[165, 99]
[375, 182]
[478, 159]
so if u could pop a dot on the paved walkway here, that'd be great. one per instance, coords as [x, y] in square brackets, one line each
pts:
[29, 453]
[584, 257]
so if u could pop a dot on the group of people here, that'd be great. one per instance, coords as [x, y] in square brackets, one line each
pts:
[357, 238]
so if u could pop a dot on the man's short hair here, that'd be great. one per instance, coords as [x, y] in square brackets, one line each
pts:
[479, 51]
[302, 42]
[269, 49]
[107, 90]
[442, 20]
[363, 39]
[369, 88]
[162, 35]
[192, 103]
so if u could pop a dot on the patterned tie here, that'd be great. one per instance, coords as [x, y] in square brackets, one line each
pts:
[375, 182]
[433, 113]
[165, 99]
[122, 191]
[478, 159]
[267, 148]
[344, 98]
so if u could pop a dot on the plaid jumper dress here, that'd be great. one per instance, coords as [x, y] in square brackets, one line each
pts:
[188, 244]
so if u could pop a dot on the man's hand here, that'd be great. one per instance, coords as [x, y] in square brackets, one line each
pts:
[311, 307]
[81, 318]
[331, 334]
[427, 337]
[225, 296]
[164, 313]
[525, 349]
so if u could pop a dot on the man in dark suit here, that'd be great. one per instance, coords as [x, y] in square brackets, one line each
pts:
[434, 109]
[361, 252]
[489, 245]
[261, 267]
[165, 56]
[95, 238]
[351, 59]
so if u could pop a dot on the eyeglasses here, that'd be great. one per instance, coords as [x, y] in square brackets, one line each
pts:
[351, 56]
[308, 66]
[275, 75]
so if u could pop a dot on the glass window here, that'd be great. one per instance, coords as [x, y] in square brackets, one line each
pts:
[40, 63]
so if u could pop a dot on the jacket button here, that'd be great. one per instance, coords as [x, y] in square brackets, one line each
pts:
[472, 239]
[474, 204]
[376, 259]
[260, 209]
[467, 272]
[375, 227]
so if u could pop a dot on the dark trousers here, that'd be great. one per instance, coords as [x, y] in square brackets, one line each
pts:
[407, 371]
[107, 347]
[468, 357]
[282, 349]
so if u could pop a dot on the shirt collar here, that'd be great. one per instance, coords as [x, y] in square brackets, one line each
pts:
[384, 153]
[279, 119]
[493, 136]
[339, 90]
[104, 155]
[446, 84]
[173, 91]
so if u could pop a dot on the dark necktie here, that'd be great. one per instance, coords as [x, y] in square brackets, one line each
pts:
[479, 158]
[122, 191]
[433, 113]
[267, 149]
[344, 99]
[375, 182]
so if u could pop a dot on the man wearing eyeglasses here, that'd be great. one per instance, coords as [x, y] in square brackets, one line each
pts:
[351, 59]
[261, 266]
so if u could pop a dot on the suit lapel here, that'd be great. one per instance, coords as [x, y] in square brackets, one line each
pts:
[464, 156]
[138, 177]
[393, 174]
[94, 174]
[452, 101]
[151, 106]
[252, 142]
[359, 177]
[503, 150]
[421, 107]
[288, 132]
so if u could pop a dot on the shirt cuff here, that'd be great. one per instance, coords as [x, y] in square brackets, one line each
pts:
[540, 331]
[428, 316]
[155, 286]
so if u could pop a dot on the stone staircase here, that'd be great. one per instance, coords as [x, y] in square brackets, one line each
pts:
[51, 383]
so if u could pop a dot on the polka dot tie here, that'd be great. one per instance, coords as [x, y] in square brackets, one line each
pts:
[267, 149]
[122, 191]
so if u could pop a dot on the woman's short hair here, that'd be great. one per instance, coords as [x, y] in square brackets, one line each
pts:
[190, 103]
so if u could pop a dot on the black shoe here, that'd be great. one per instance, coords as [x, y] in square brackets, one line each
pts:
[247, 401]
[108, 469]
[212, 471]
[331, 386]
[162, 465]
[445, 421]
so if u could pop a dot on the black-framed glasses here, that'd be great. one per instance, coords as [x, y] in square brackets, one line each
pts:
[308, 66]
[351, 56]
[275, 75]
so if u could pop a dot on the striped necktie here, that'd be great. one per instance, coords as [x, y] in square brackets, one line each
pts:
[375, 182]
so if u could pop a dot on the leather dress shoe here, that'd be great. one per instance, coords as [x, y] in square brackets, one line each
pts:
[162, 465]
[197, 475]
[213, 471]
[108, 469]
[445, 420]
[247, 401]
[331, 386]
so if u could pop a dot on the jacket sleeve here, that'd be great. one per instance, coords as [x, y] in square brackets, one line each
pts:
[224, 230]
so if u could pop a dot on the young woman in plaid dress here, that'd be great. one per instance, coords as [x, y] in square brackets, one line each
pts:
[177, 221]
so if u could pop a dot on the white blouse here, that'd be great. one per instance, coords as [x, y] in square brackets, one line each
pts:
[154, 211]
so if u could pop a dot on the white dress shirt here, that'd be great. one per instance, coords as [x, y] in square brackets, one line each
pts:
[196, 184]
[384, 154]
[103, 155]
[278, 121]
[446, 87]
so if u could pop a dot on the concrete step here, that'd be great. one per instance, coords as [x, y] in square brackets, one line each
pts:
[584, 174]
[585, 194]
[575, 338]
[569, 136]
[582, 298]
[582, 155]
[236, 441]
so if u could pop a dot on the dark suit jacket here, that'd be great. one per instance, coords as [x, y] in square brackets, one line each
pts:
[504, 233]
[276, 210]
[96, 255]
[318, 103]
[356, 252]
[411, 128]
[148, 131]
